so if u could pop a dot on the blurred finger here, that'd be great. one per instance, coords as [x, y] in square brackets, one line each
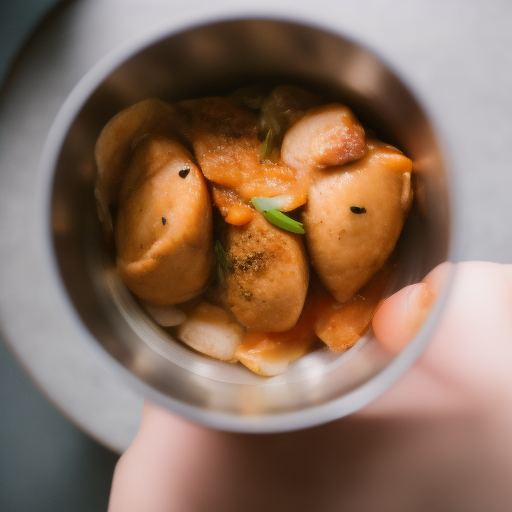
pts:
[163, 467]
[466, 365]
[400, 316]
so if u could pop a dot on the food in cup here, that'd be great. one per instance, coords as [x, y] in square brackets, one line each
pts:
[265, 223]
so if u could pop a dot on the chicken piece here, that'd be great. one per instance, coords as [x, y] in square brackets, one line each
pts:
[116, 142]
[212, 330]
[227, 148]
[164, 227]
[267, 277]
[341, 325]
[354, 216]
[325, 136]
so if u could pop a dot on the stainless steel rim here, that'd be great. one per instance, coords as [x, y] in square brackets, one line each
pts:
[278, 422]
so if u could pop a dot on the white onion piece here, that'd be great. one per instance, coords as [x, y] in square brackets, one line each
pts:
[272, 203]
[257, 364]
[212, 331]
[166, 316]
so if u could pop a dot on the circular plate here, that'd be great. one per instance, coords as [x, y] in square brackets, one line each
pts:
[64, 48]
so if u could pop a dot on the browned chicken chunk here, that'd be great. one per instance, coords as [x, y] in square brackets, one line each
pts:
[325, 136]
[116, 142]
[267, 277]
[164, 224]
[354, 216]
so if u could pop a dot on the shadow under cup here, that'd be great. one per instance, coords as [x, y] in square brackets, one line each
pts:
[212, 59]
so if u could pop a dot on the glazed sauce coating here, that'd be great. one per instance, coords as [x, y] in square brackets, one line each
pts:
[262, 295]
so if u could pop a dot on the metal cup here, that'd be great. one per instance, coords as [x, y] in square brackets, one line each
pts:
[184, 61]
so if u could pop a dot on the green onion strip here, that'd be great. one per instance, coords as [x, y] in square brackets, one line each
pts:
[266, 206]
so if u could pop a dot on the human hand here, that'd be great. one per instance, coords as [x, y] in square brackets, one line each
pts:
[439, 439]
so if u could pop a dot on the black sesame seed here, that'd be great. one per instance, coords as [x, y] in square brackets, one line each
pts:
[357, 209]
[164, 220]
[183, 173]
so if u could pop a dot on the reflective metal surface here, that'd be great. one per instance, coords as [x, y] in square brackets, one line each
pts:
[463, 75]
[182, 61]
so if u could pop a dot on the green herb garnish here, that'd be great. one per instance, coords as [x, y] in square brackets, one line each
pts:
[275, 216]
[267, 147]
[264, 204]
[222, 257]
[222, 260]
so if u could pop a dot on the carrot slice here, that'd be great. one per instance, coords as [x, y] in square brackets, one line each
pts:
[239, 215]
[341, 324]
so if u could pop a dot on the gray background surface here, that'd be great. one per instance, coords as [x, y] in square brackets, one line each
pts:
[46, 463]
[455, 54]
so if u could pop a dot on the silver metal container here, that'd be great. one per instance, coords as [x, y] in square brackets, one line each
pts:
[210, 56]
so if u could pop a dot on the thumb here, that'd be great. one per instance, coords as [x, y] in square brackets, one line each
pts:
[400, 316]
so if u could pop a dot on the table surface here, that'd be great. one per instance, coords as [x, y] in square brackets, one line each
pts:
[46, 462]
[455, 55]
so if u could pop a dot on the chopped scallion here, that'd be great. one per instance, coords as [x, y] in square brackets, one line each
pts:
[265, 206]
[222, 257]
[222, 262]
[267, 146]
